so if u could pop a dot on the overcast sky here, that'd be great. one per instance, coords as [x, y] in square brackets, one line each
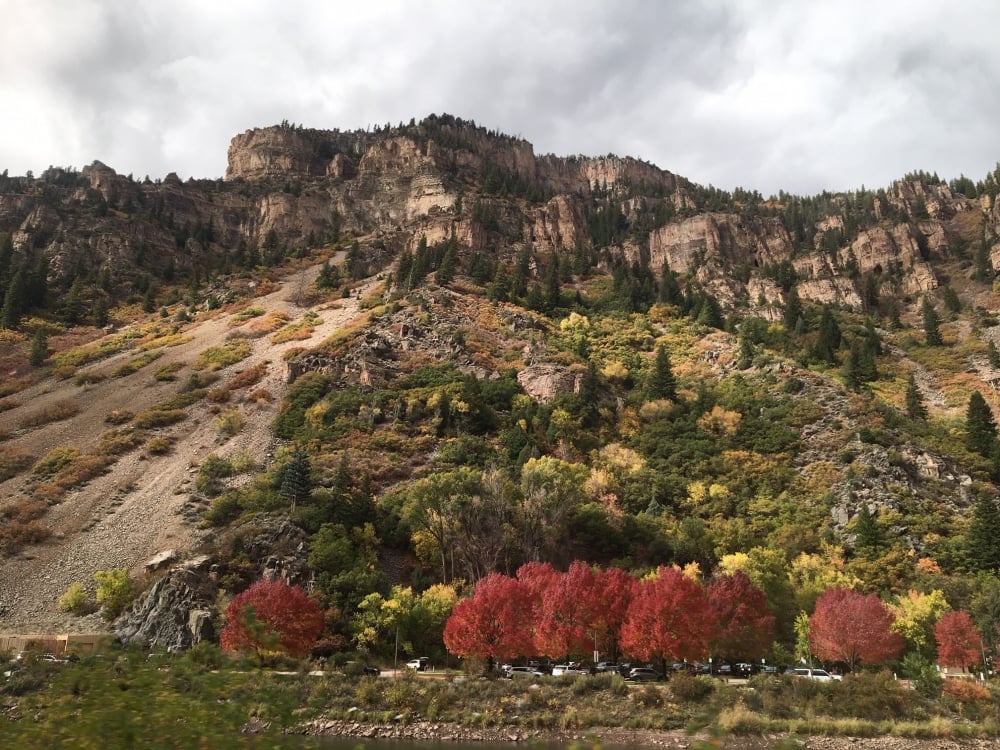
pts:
[764, 94]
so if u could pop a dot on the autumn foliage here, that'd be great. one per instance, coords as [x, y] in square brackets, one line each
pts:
[851, 627]
[272, 616]
[745, 624]
[958, 642]
[669, 618]
[494, 622]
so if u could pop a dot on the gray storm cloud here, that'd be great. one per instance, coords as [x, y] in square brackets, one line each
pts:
[765, 95]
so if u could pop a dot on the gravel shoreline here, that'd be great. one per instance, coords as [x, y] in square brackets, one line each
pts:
[440, 731]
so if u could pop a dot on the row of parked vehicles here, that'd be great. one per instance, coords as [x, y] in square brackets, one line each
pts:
[648, 673]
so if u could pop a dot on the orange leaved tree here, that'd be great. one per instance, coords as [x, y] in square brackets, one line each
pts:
[494, 623]
[272, 617]
[669, 618]
[958, 642]
[852, 628]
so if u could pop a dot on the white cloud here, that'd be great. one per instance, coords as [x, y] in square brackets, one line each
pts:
[767, 94]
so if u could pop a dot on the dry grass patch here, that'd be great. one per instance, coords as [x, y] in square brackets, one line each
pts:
[219, 357]
[137, 363]
[244, 315]
[81, 355]
[160, 446]
[119, 416]
[168, 372]
[13, 462]
[165, 342]
[159, 417]
[6, 404]
[116, 442]
[89, 378]
[56, 412]
[75, 474]
[19, 525]
[268, 324]
[250, 376]
[54, 461]
[298, 331]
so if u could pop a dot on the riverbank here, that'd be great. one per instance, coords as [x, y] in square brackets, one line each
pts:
[620, 736]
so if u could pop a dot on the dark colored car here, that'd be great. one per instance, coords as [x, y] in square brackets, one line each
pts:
[644, 674]
[372, 671]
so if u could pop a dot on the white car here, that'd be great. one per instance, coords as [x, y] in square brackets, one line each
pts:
[418, 665]
[820, 675]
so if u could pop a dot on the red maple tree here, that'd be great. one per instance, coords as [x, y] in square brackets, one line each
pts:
[669, 617]
[745, 624]
[615, 589]
[494, 623]
[569, 613]
[852, 628]
[272, 616]
[958, 641]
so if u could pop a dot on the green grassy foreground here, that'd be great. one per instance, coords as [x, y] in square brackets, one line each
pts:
[202, 699]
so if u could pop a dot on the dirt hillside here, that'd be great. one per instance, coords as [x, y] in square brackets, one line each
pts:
[143, 504]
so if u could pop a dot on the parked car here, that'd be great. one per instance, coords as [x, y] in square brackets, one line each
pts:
[606, 666]
[509, 671]
[372, 671]
[644, 674]
[820, 675]
[418, 665]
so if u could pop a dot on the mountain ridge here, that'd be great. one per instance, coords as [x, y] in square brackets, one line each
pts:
[546, 286]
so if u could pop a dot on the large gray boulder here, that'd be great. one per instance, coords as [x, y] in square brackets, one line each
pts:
[175, 613]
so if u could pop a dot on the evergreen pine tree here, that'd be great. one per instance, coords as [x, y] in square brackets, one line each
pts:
[915, 408]
[553, 290]
[670, 291]
[662, 383]
[932, 322]
[72, 305]
[980, 427]
[828, 339]
[445, 273]
[39, 347]
[793, 310]
[13, 301]
[869, 538]
[894, 322]
[984, 535]
[993, 354]
[984, 263]
[295, 481]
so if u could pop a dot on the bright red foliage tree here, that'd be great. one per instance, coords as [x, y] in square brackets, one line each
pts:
[272, 616]
[669, 617]
[850, 627]
[569, 613]
[615, 590]
[494, 623]
[745, 624]
[958, 641]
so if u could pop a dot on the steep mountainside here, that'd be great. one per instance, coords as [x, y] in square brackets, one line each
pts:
[423, 353]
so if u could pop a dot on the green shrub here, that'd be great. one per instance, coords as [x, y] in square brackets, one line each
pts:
[55, 460]
[168, 372]
[223, 510]
[686, 687]
[114, 591]
[76, 600]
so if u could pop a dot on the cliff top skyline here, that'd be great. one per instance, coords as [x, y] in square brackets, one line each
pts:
[764, 95]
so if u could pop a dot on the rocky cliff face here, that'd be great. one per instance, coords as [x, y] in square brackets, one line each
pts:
[288, 187]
